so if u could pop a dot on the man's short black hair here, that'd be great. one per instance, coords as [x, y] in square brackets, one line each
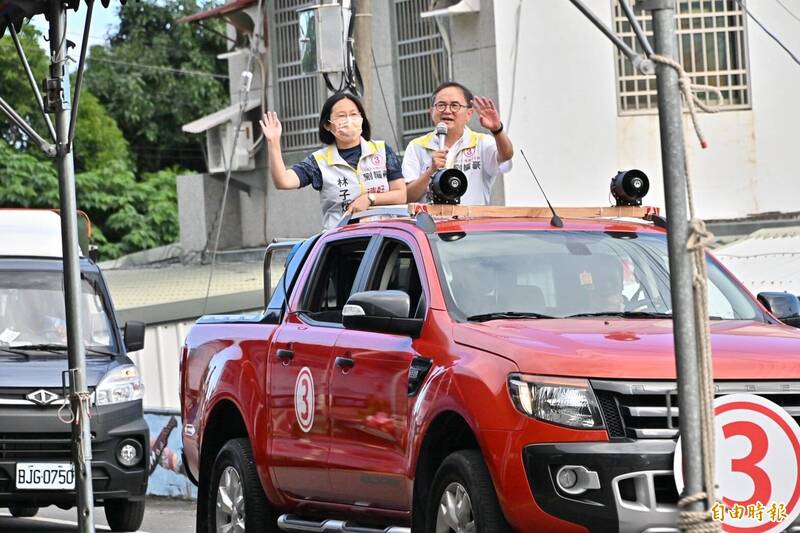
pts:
[445, 85]
[325, 115]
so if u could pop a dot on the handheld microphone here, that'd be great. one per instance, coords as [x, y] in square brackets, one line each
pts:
[441, 134]
[448, 185]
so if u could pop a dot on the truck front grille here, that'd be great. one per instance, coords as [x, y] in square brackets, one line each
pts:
[649, 409]
[24, 446]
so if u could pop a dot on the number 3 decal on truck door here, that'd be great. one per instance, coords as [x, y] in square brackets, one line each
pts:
[304, 399]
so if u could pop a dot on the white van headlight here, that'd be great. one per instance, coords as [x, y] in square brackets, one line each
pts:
[122, 384]
[564, 401]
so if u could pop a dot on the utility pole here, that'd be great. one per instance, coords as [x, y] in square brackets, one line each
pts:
[58, 102]
[673, 160]
[362, 35]
[681, 263]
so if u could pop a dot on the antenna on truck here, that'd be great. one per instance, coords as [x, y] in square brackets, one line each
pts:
[556, 220]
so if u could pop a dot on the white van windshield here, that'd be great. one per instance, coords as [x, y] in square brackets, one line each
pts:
[32, 311]
[571, 273]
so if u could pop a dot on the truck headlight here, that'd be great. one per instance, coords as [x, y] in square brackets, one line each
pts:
[122, 384]
[564, 401]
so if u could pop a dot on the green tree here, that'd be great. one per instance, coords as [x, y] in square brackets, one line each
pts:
[26, 181]
[127, 214]
[138, 77]
[98, 139]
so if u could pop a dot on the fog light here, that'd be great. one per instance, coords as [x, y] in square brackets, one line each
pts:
[567, 478]
[576, 479]
[129, 452]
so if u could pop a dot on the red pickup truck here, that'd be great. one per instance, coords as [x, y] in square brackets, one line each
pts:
[480, 371]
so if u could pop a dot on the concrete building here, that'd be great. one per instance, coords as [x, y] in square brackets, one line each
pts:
[568, 99]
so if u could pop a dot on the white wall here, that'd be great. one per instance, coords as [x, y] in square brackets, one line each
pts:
[565, 117]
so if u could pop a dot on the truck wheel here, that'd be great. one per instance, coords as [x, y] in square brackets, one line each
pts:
[463, 497]
[236, 501]
[23, 511]
[124, 515]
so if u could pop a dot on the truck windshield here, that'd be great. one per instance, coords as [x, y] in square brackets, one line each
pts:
[558, 274]
[32, 311]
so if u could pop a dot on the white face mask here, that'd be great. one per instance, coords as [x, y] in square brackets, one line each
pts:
[346, 129]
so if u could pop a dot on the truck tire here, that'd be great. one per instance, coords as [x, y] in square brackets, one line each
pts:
[124, 515]
[236, 500]
[463, 497]
[23, 511]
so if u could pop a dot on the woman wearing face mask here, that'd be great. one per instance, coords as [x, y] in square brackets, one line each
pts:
[351, 172]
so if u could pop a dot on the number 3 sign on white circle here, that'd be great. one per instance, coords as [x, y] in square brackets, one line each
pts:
[304, 399]
[757, 465]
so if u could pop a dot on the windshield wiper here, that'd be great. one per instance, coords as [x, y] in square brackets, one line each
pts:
[623, 314]
[13, 351]
[59, 348]
[505, 315]
[52, 348]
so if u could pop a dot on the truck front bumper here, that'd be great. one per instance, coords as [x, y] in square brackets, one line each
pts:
[636, 494]
[37, 435]
[637, 490]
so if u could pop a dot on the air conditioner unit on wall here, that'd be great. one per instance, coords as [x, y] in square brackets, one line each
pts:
[219, 142]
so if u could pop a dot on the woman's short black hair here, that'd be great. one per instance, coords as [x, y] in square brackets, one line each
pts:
[467, 93]
[325, 115]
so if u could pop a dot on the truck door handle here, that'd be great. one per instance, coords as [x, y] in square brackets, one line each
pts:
[345, 363]
[285, 355]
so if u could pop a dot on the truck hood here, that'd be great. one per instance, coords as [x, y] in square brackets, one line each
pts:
[633, 349]
[45, 372]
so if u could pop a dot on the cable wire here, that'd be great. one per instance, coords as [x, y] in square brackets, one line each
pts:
[791, 13]
[165, 69]
[383, 96]
[244, 96]
[514, 67]
[774, 38]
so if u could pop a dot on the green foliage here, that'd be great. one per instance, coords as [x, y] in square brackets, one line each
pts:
[133, 215]
[98, 140]
[127, 214]
[26, 181]
[151, 104]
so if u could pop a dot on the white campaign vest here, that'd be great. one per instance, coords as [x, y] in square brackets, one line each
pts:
[341, 183]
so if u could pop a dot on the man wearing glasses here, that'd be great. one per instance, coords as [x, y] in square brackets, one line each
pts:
[480, 156]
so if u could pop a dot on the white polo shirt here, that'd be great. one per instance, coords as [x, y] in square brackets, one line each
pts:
[474, 153]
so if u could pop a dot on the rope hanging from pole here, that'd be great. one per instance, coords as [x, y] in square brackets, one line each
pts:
[688, 88]
[699, 240]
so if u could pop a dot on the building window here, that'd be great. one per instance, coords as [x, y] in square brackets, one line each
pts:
[712, 46]
[298, 95]
[422, 65]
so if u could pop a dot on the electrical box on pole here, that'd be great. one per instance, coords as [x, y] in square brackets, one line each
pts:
[322, 39]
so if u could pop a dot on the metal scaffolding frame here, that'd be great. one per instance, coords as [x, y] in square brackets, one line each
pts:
[59, 102]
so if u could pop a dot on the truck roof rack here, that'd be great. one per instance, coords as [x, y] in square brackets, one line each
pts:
[376, 213]
[423, 214]
[495, 211]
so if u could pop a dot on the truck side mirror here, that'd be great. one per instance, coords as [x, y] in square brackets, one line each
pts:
[133, 334]
[381, 311]
[785, 306]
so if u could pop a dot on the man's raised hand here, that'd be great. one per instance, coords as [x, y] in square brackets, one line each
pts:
[487, 113]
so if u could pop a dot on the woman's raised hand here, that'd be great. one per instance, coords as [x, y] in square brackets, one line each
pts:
[271, 126]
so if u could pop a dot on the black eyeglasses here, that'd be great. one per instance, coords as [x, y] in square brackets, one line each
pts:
[455, 107]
